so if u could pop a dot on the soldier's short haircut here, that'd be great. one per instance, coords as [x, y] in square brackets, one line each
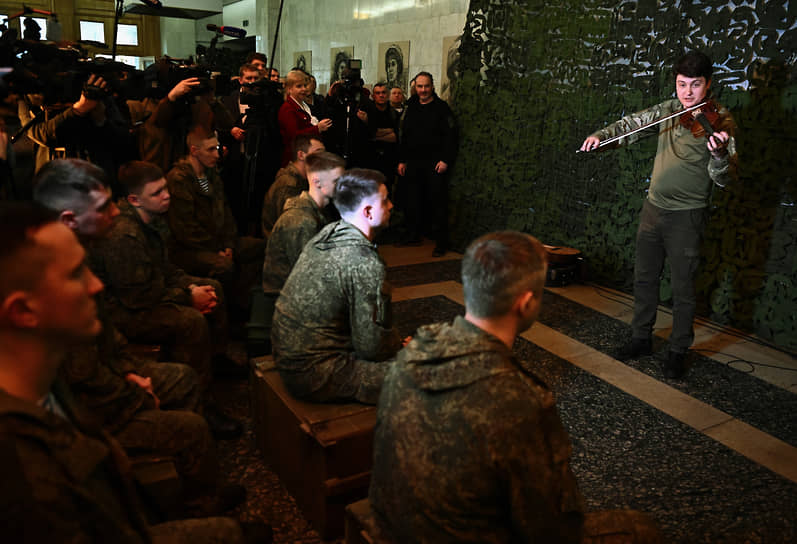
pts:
[65, 184]
[134, 175]
[694, 64]
[295, 77]
[426, 74]
[197, 135]
[302, 143]
[248, 67]
[256, 56]
[497, 268]
[323, 161]
[380, 84]
[22, 264]
[354, 186]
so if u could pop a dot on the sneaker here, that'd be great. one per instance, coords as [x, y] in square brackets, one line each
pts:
[673, 367]
[637, 347]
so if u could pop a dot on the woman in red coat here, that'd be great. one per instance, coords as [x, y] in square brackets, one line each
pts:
[294, 115]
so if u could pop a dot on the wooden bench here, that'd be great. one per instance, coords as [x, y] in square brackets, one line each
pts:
[361, 527]
[321, 452]
[160, 484]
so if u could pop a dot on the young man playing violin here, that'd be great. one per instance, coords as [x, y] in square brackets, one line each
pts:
[688, 160]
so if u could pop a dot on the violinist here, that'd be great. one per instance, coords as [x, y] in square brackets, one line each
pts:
[691, 156]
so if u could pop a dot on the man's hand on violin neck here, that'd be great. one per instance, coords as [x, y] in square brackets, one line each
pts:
[718, 144]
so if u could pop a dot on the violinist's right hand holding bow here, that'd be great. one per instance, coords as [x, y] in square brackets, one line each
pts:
[590, 143]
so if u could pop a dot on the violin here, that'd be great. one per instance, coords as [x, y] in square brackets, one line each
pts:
[702, 121]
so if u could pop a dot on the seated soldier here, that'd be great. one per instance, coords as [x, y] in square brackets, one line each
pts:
[64, 479]
[302, 218]
[148, 407]
[149, 299]
[203, 229]
[290, 181]
[332, 334]
[469, 446]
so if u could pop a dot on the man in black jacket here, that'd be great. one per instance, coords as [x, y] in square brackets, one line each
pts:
[427, 149]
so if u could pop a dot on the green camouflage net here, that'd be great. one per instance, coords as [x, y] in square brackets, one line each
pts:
[536, 79]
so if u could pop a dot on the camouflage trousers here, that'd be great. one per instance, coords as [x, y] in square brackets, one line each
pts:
[333, 378]
[620, 527]
[191, 337]
[180, 434]
[198, 531]
[176, 385]
[237, 275]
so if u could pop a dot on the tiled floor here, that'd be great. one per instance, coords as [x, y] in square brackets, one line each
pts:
[713, 457]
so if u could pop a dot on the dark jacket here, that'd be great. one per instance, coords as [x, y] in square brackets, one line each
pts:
[63, 481]
[428, 132]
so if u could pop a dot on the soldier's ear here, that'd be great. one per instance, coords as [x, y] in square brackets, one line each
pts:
[133, 200]
[69, 219]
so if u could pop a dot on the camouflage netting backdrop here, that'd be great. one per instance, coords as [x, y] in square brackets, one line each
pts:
[536, 79]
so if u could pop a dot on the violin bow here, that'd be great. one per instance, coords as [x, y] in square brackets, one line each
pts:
[643, 127]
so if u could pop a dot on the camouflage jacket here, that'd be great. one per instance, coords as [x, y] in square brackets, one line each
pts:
[288, 183]
[133, 262]
[197, 220]
[300, 221]
[469, 447]
[63, 481]
[684, 169]
[335, 300]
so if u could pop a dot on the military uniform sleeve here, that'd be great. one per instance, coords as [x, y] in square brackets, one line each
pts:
[722, 170]
[370, 313]
[130, 274]
[634, 121]
[186, 228]
[532, 452]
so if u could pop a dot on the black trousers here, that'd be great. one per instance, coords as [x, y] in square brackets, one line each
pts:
[426, 194]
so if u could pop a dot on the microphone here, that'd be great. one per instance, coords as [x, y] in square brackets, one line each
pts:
[230, 31]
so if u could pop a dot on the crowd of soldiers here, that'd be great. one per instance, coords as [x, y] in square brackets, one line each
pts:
[469, 446]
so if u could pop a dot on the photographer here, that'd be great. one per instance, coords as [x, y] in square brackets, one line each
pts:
[294, 115]
[91, 128]
[347, 105]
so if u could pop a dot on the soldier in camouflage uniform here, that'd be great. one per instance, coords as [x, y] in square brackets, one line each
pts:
[204, 234]
[302, 219]
[674, 213]
[332, 333]
[149, 407]
[152, 301]
[64, 479]
[469, 446]
[291, 180]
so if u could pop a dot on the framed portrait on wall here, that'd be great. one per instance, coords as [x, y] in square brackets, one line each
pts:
[393, 62]
[338, 57]
[303, 60]
[450, 68]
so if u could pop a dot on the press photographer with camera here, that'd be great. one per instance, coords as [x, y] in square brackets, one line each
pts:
[91, 128]
[347, 105]
[295, 116]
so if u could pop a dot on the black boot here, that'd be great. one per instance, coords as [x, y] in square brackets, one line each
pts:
[637, 347]
[673, 367]
[222, 426]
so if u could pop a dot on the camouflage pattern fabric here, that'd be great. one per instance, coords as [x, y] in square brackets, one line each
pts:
[684, 168]
[288, 183]
[332, 333]
[68, 481]
[148, 297]
[299, 222]
[469, 447]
